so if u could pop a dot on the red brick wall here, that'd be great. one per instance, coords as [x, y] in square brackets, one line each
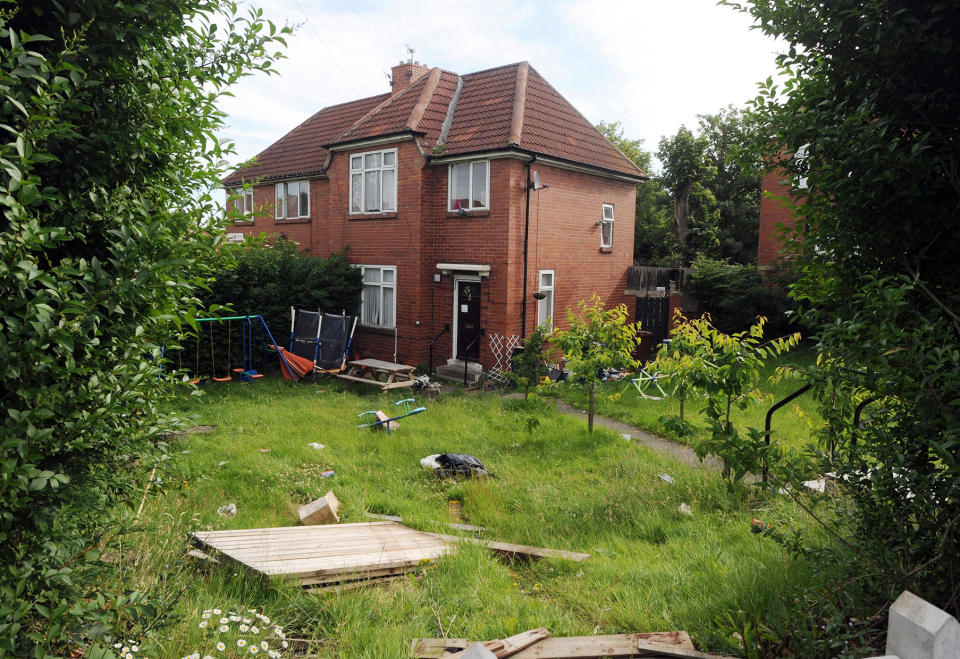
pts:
[564, 236]
[773, 214]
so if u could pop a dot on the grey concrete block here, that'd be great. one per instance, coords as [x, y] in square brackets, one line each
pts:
[919, 630]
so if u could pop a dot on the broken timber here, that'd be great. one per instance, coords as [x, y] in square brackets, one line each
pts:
[516, 550]
[654, 649]
[510, 646]
[568, 647]
[312, 555]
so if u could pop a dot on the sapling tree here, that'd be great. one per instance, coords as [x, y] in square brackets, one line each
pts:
[684, 364]
[597, 340]
[527, 364]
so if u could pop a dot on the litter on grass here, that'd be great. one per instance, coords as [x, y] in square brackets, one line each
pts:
[316, 445]
[447, 465]
[666, 478]
[626, 436]
[228, 510]
[684, 509]
[328, 474]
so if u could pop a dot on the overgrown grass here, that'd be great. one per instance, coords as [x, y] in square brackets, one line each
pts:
[652, 568]
[793, 425]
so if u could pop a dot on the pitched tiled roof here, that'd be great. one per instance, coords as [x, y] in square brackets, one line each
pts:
[300, 152]
[508, 107]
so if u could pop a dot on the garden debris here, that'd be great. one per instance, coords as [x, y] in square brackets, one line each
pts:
[654, 649]
[507, 646]
[328, 473]
[758, 526]
[514, 551]
[228, 510]
[817, 485]
[684, 509]
[321, 511]
[198, 555]
[264, 450]
[430, 462]
[330, 554]
[195, 430]
[316, 445]
[476, 651]
[459, 464]
[626, 436]
[666, 478]
[565, 647]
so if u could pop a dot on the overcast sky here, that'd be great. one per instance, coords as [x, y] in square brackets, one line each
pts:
[651, 64]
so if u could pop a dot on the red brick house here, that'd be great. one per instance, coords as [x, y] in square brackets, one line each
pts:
[775, 217]
[459, 197]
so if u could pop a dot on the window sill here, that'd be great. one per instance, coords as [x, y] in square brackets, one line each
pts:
[475, 213]
[383, 331]
[292, 220]
[243, 223]
[606, 250]
[391, 215]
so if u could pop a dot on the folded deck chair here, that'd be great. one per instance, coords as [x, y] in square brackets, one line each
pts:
[646, 382]
[322, 338]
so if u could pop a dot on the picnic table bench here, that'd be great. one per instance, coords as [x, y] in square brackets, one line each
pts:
[385, 375]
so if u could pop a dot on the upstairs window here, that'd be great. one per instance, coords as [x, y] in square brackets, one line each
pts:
[373, 182]
[469, 186]
[606, 227]
[378, 300]
[292, 200]
[243, 203]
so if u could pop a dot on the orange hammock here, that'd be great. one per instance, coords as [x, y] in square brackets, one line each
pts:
[300, 366]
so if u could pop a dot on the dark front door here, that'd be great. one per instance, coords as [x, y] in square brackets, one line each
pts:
[468, 320]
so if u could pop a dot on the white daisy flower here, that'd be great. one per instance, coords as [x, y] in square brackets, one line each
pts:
[205, 615]
[117, 644]
[265, 619]
[251, 610]
[254, 649]
[124, 650]
[128, 655]
[235, 617]
[203, 624]
[224, 621]
[254, 630]
[284, 645]
[264, 645]
[274, 654]
[244, 628]
[216, 612]
[247, 620]
[221, 647]
[241, 642]
[224, 628]
[207, 656]
[135, 648]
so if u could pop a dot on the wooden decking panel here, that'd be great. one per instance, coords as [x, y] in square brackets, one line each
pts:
[321, 554]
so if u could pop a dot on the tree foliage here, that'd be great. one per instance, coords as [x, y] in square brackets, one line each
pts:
[108, 146]
[597, 340]
[871, 93]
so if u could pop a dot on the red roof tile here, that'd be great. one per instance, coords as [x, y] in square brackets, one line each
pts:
[300, 152]
[509, 106]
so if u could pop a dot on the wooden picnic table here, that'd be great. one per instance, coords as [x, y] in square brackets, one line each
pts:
[385, 375]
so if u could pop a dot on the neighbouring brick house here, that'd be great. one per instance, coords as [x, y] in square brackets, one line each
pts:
[433, 187]
[775, 216]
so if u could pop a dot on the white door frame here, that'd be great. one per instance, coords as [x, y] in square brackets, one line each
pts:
[456, 306]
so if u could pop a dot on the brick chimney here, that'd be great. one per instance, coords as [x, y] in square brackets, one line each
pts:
[405, 74]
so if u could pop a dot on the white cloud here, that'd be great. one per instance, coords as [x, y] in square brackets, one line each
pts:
[650, 64]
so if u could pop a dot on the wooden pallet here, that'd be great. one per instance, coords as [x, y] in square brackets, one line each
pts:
[329, 554]
[567, 647]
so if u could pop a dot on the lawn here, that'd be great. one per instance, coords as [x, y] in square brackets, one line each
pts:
[793, 425]
[652, 568]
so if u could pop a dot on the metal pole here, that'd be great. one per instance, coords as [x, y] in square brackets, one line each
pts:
[776, 406]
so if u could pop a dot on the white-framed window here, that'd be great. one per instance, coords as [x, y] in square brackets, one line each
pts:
[606, 227]
[373, 182]
[469, 186]
[545, 304]
[243, 203]
[378, 305]
[292, 200]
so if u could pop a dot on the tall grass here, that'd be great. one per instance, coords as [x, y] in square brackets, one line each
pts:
[652, 568]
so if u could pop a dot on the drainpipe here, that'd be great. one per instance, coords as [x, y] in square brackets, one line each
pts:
[526, 245]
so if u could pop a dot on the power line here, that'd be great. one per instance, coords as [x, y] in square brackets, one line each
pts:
[329, 52]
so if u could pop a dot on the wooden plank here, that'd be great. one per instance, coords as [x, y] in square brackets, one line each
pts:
[339, 587]
[513, 644]
[460, 527]
[517, 550]
[655, 649]
[381, 365]
[569, 647]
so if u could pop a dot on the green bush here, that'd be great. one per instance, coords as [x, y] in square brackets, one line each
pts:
[109, 114]
[734, 296]
[270, 278]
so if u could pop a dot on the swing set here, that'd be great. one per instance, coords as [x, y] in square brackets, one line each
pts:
[246, 371]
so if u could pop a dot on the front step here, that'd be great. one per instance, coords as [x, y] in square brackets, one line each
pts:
[453, 371]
